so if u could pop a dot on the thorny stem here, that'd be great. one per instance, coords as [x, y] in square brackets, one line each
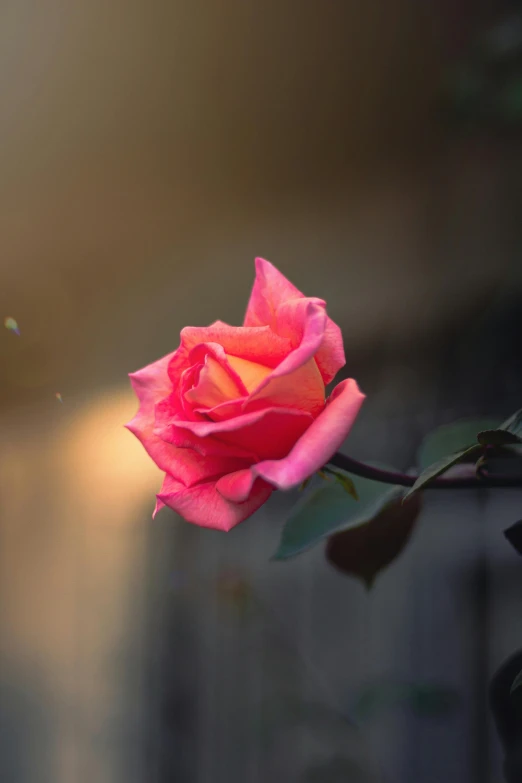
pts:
[405, 480]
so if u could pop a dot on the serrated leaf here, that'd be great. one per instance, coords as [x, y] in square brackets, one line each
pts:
[329, 509]
[441, 467]
[517, 683]
[364, 550]
[452, 438]
[514, 536]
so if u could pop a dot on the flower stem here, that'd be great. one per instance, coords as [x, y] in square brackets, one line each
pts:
[405, 480]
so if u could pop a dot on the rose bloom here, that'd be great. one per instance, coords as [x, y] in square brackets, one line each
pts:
[238, 411]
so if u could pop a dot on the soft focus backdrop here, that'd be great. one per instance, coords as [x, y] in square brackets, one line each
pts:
[149, 151]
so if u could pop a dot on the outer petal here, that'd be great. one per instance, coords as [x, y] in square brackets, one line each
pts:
[190, 468]
[270, 292]
[271, 289]
[319, 442]
[203, 505]
[311, 451]
[270, 432]
[330, 356]
[150, 384]
[185, 465]
[237, 486]
[304, 321]
[209, 446]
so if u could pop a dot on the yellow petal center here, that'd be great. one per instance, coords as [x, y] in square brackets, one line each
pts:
[250, 373]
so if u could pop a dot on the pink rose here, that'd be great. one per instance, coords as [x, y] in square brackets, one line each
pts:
[238, 411]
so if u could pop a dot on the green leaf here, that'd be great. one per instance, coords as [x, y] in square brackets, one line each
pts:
[364, 550]
[329, 509]
[344, 480]
[348, 485]
[517, 683]
[320, 513]
[442, 466]
[452, 438]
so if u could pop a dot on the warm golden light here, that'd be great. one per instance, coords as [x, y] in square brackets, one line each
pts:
[108, 468]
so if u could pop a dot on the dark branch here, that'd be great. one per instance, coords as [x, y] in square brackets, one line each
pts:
[404, 480]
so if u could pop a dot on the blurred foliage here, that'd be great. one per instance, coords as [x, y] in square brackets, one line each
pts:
[426, 700]
[451, 438]
[485, 89]
[443, 465]
[488, 442]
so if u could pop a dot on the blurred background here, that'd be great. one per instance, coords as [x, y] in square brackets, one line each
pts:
[149, 151]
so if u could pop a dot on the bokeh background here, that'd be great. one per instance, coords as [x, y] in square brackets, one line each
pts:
[149, 150]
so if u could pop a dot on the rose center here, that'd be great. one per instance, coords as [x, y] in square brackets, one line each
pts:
[250, 373]
[217, 382]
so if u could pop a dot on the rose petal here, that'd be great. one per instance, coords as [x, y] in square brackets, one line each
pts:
[251, 373]
[259, 344]
[270, 292]
[210, 446]
[217, 382]
[190, 467]
[330, 356]
[185, 465]
[306, 320]
[311, 452]
[296, 382]
[301, 390]
[270, 432]
[306, 324]
[236, 486]
[167, 430]
[320, 441]
[151, 383]
[203, 505]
